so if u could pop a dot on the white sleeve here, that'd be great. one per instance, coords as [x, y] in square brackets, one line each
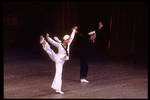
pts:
[56, 38]
[72, 36]
[56, 44]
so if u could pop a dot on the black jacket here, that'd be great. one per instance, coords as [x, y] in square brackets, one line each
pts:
[88, 46]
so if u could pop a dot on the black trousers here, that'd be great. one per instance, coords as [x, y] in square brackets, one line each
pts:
[83, 67]
[83, 61]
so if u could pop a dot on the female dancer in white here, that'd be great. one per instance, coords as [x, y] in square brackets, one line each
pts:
[60, 57]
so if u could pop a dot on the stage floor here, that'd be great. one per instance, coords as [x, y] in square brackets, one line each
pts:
[30, 75]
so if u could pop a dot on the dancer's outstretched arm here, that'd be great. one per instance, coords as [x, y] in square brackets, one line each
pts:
[81, 36]
[56, 44]
[72, 34]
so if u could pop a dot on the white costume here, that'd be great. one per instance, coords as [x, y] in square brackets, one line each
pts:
[58, 58]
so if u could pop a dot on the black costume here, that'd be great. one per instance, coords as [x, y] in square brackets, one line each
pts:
[84, 52]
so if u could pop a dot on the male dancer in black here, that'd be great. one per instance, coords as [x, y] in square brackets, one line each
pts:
[84, 52]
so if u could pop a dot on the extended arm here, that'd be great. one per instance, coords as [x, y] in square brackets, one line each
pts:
[56, 44]
[81, 36]
[72, 34]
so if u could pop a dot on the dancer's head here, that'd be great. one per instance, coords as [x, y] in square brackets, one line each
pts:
[66, 39]
[92, 35]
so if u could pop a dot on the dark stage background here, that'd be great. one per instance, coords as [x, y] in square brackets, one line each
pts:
[126, 24]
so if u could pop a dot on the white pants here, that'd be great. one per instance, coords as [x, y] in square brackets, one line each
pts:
[57, 82]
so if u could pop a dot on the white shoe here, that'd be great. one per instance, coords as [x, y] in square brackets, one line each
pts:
[59, 91]
[84, 80]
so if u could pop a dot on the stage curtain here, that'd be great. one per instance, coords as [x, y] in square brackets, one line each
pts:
[14, 21]
[122, 37]
[8, 21]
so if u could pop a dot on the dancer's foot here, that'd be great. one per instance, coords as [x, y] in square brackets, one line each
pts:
[47, 35]
[59, 91]
[41, 39]
[84, 81]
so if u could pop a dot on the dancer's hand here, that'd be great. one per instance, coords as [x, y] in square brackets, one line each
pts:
[100, 25]
[75, 27]
[47, 35]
